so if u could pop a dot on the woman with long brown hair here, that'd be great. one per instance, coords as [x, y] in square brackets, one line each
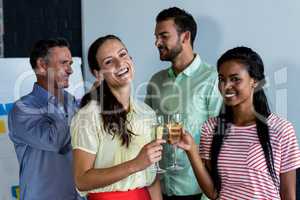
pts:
[111, 133]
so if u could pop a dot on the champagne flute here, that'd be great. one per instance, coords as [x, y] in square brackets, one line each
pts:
[159, 132]
[175, 129]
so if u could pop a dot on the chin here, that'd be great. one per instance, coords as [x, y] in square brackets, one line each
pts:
[126, 82]
[163, 58]
[64, 85]
[230, 103]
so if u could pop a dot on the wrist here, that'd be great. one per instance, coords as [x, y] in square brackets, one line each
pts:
[193, 149]
[133, 166]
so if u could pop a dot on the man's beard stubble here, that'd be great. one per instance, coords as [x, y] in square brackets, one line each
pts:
[171, 53]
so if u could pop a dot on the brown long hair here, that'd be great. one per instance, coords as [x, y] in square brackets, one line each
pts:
[113, 113]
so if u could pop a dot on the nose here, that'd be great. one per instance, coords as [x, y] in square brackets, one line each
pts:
[119, 62]
[69, 69]
[227, 85]
[157, 42]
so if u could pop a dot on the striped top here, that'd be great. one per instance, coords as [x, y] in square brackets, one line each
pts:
[241, 163]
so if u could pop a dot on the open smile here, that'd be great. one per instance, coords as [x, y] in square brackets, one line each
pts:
[123, 71]
[229, 94]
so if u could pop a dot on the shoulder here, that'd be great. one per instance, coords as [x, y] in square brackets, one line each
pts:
[142, 107]
[28, 100]
[210, 125]
[159, 75]
[88, 112]
[280, 126]
[26, 103]
[209, 70]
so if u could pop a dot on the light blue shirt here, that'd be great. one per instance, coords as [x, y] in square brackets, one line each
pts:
[39, 129]
[194, 93]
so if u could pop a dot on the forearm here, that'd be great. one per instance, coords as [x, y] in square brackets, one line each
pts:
[39, 131]
[98, 178]
[288, 185]
[201, 173]
[154, 189]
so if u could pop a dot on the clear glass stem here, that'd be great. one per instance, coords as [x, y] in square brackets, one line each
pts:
[157, 165]
[175, 155]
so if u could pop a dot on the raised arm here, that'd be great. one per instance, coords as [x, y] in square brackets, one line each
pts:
[44, 131]
[203, 177]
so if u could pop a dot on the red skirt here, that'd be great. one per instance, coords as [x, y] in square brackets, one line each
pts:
[136, 194]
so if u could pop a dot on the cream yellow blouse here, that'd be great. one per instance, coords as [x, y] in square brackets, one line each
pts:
[88, 135]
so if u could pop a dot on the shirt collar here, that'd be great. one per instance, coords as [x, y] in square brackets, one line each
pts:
[44, 95]
[191, 68]
[132, 106]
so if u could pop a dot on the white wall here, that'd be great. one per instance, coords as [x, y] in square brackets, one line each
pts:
[271, 27]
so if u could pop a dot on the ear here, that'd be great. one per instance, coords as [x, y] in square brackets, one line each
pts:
[255, 83]
[98, 75]
[186, 37]
[41, 67]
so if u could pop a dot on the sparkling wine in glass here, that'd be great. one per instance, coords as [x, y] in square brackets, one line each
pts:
[175, 131]
[159, 133]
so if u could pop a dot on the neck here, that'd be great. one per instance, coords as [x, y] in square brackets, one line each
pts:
[123, 95]
[243, 115]
[57, 92]
[183, 60]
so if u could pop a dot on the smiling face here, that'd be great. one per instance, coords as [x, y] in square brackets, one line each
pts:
[235, 84]
[116, 65]
[54, 70]
[168, 40]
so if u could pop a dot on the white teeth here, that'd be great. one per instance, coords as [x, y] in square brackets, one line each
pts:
[122, 71]
[229, 95]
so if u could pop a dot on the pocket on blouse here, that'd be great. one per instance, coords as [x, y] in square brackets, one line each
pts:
[256, 158]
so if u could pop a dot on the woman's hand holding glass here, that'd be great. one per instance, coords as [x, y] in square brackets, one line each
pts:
[149, 154]
[186, 142]
[159, 132]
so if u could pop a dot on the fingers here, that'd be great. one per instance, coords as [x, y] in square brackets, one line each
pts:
[153, 150]
[157, 142]
[153, 147]
[154, 143]
[155, 157]
[182, 146]
[185, 132]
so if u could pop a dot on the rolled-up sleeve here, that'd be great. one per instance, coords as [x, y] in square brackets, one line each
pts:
[44, 131]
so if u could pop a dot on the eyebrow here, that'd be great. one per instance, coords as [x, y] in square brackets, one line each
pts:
[162, 33]
[231, 75]
[67, 61]
[122, 49]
